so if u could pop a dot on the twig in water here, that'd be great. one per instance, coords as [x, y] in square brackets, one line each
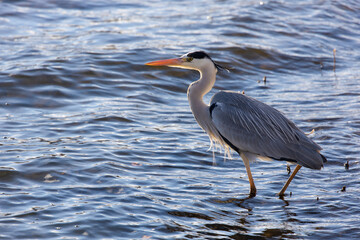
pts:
[334, 54]
[288, 169]
[264, 80]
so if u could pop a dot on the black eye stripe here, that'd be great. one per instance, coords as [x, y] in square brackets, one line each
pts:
[198, 55]
[202, 55]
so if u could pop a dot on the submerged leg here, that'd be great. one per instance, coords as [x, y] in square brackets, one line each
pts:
[251, 180]
[281, 193]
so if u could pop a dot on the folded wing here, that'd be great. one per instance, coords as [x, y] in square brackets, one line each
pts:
[252, 126]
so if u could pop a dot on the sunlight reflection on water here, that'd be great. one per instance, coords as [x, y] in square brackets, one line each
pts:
[92, 137]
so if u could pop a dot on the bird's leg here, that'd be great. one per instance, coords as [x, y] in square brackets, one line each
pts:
[297, 168]
[248, 171]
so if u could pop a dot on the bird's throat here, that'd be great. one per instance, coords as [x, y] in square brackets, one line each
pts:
[196, 92]
[199, 88]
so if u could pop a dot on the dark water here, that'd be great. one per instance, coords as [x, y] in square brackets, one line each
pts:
[96, 145]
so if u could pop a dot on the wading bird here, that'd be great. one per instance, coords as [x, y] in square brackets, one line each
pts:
[248, 126]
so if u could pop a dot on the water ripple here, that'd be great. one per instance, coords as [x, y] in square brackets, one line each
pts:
[95, 144]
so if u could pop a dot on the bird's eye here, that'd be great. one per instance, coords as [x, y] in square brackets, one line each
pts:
[189, 59]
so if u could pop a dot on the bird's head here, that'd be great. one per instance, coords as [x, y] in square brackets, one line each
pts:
[198, 60]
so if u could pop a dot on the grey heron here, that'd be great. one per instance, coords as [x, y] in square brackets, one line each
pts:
[251, 128]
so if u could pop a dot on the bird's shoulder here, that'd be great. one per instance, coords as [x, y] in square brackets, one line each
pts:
[226, 96]
[241, 101]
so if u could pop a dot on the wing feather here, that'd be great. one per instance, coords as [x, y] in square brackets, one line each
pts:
[252, 126]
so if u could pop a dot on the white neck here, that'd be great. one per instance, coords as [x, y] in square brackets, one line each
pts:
[200, 110]
[199, 88]
[196, 92]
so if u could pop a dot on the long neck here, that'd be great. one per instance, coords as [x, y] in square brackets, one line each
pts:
[198, 89]
[200, 110]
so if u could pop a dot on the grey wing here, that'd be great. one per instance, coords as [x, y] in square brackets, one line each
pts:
[251, 126]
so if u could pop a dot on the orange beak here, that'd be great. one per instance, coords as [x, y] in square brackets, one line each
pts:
[166, 62]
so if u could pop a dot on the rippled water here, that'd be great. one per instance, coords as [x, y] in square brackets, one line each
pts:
[96, 145]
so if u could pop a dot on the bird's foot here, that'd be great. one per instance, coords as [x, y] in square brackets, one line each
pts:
[252, 192]
[281, 195]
